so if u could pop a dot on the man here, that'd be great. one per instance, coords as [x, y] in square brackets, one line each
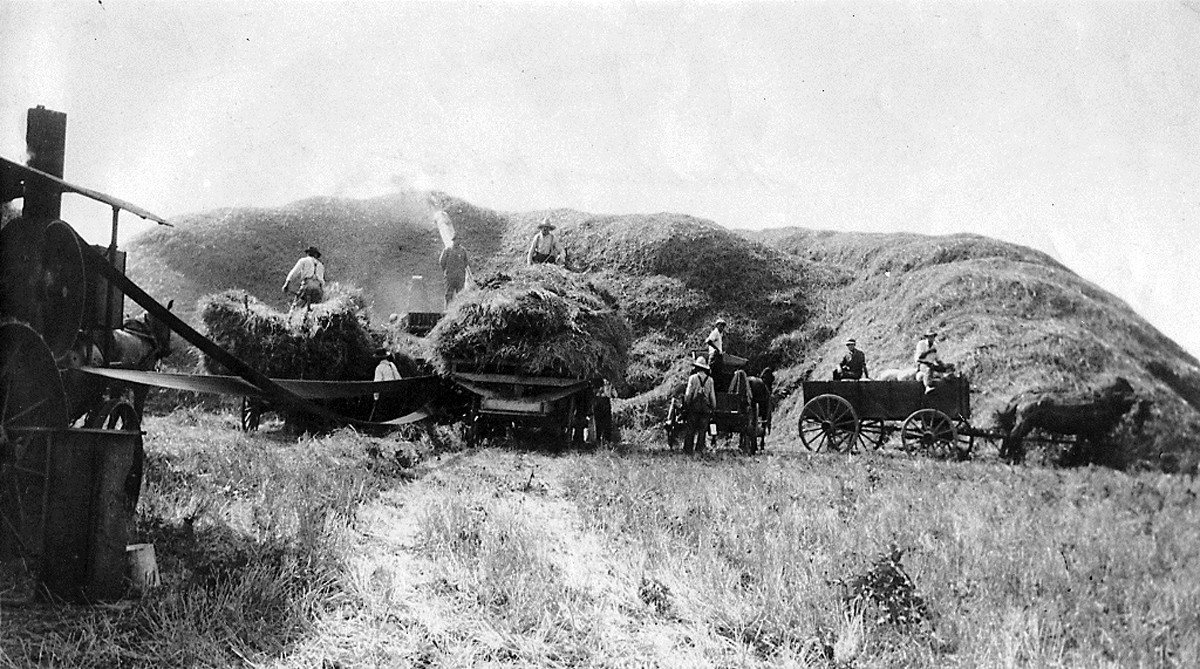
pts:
[716, 347]
[853, 365]
[699, 401]
[385, 370]
[929, 366]
[544, 248]
[306, 282]
[453, 262]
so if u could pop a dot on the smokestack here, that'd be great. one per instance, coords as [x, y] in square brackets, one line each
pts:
[46, 143]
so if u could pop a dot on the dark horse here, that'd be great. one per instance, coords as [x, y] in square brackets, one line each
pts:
[759, 395]
[1090, 419]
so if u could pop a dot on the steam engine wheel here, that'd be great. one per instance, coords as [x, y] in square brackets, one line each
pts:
[32, 404]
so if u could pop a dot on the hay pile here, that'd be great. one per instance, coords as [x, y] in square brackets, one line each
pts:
[329, 342]
[537, 321]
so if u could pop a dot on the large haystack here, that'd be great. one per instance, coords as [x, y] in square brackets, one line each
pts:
[538, 321]
[330, 341]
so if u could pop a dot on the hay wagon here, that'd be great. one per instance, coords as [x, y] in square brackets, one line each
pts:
[561, 410]
[67, 494]
[734, 415]
[842, 415]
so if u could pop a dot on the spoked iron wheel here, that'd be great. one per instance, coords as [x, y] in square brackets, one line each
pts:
[930, 432]
[43, 279]
[251, 414]
[828, 422]
[31, 400]
[874, 433]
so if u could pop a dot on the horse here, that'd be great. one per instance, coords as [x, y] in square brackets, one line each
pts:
[1090, 419]
[754, 389]
[138, 345]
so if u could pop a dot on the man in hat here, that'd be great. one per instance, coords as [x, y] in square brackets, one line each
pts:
[544, 248]
[853, 366]
[385, 370]
[453, 262]
[930, 368]
[716, 348]
[306, 282]
[699, 401]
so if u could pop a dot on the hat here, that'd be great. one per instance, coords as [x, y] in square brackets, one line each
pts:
[851, 341]
[720, 321]
[546, 224]
[929, 333]
[381, 353]
[700, 363]
[312, 251]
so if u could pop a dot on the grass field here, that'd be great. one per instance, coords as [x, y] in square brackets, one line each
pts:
[279, 551]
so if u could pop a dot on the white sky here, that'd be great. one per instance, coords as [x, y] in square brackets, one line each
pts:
[1070, 127]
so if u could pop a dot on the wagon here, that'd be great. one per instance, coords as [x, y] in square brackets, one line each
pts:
[734, 414]
[844, 415]
[562, 410]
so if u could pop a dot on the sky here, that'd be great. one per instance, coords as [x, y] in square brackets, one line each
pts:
[1073, 128]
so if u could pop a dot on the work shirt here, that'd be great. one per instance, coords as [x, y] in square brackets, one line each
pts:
[544, 245]
[453, 262]
[854, 364]
[716, 340]
[926, 352]
[307, 269]
[700, 395]
[386, 371]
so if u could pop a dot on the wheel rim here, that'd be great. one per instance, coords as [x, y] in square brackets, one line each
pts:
[929, 431]
[44, 282]
[31, 397]
[828, 422]
[873, 433]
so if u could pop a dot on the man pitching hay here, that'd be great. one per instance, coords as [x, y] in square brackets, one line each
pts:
[544, 248]
[453, 262]
[306, 282]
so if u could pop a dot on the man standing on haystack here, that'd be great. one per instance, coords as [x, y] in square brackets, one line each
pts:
[453, 262]
[699, 401]
[544, 248]
[306, 282]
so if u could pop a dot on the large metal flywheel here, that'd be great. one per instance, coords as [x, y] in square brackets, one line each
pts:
[43, 279]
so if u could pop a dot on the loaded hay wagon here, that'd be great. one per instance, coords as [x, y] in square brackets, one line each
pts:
[842, 415]
[68, 494]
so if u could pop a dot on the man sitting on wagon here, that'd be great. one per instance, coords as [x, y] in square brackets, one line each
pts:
[853, 366]
[930, 368]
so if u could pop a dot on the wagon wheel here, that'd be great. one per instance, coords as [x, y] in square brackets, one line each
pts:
[114, 415]
[874, 433]
[43, 279]
[31, 397]
[674, 424]
[828, 422]
[929, 431]
[251, 414]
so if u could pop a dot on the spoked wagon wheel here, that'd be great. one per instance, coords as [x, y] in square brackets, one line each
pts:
[828, 422]
[251, 414]
[114, 415]
[929, 431]
[31, 399]
[873, 433]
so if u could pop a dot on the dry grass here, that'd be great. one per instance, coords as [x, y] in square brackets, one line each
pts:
[315, 553]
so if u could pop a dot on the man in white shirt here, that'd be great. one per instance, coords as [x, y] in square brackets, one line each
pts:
[306, 282]
[716, 348]
[385, 370]
[929, 366]
[544, 248]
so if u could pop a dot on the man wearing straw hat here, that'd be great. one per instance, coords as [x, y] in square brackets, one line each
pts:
[453, 262]
[306, 282]
[853, 365]
[716, 348]
[544, 248]
[699, 401]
